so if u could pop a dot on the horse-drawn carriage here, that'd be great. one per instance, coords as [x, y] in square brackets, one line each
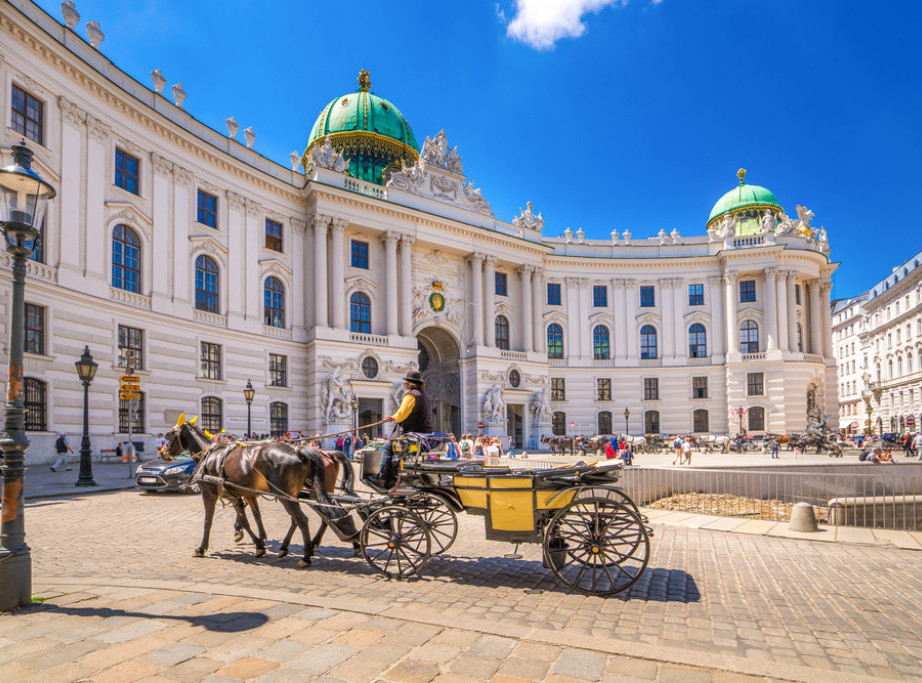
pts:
[591, 534]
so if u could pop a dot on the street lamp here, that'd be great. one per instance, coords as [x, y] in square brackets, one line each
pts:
[355, 415]
[86, 371]
[248, 393]
[869, 411]
[739, 413]
[627, 415]
[23, 198]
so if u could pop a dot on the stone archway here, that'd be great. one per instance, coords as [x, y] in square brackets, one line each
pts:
[439, 363]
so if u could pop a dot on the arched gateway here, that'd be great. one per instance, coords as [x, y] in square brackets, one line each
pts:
[439, 363]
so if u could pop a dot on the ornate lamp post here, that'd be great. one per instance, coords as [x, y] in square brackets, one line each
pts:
[627, 415]
[739, 413]
[248, 393]
[86, 371]
[355, 415]
[869, 411]
[23, 198]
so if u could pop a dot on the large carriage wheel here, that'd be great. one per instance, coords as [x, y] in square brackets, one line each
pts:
[596, 546]
[440, 518]
[395, 541]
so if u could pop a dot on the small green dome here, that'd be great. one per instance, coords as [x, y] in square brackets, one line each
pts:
[745, 199]
[369, 130]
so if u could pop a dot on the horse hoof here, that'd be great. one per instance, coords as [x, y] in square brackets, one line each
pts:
[283, 552]
[238, 537]
[198, 553]
[260, 552]
[303, 563]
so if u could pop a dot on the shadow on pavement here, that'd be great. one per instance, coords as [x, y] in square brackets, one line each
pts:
[225, 622]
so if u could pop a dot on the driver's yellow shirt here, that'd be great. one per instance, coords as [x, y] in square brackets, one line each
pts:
[406, 407]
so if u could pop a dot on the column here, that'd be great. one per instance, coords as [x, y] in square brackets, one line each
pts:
[733, 336]
[666, 316]
[781, 300]
[816, 334]
[538, 300]
[792, 310]
[572, 344]
[68, 201]
[182, 184]
[528, 311]
[583, 293]
[390, 280]
[337, 278]
[825, 290]
[631, 294]
[489, 298]
[618, 316]
[406, 286]
[771, 312]
[161, 277]
[254, 235]
[718, 336]
[96, 183]
[476, 261]
[321, 317]
[238, 257]
[296, 249]
[679, 292]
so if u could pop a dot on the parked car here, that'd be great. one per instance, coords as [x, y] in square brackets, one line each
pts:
[160, 475]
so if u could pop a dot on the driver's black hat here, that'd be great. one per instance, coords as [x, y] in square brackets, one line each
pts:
[414, 377]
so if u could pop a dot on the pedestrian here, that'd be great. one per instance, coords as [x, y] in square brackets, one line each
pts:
[348, 445]
[686, 451]
[466, 446]
[511, 447]
[62, 448]
[627, 456]
[161, 444]
[120, 450]
[677, 450]
[917, 445]
[452, 452]
[907, 445]
[774, 449]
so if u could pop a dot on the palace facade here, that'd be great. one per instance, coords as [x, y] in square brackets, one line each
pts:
[326, 281]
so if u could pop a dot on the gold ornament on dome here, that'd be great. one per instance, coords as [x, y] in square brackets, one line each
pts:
[741, 174]
[364, 81]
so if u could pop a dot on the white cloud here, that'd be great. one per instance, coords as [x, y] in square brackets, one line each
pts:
[541, 23]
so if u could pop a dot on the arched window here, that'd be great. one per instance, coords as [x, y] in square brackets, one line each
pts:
[756, 419]
[360, 313]
[554, 341]
[559, 424]
[126, 259]
[601, 347]
[278, 418]
[502, 332]
[697, 341]
[651, 422]
[700, 421]
[274, 302]
[604, 422]
[800, 337]
[889, 369]
[648, 342]
[212, 413]
[34, 397]
[899, 366]
[206, 284]
[749, 337]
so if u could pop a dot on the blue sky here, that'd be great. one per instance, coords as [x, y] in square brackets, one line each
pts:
[607, 114]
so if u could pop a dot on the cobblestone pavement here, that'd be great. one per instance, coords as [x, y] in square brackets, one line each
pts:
[724, 602]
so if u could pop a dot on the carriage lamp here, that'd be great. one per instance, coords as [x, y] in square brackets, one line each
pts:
[86, 371]
[24, 196]
[627, 415]
[248, 393]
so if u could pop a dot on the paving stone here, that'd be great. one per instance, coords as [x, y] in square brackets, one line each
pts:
[580, 664]
[282, 650]
[669, 673]
[120, 652]
[321, 658]
[173, 654]
[475, 665]
[412, 671]
[61, 654]
[248, 667]
[193, 669]
[132, 670]
[616, 665]
[531, 669]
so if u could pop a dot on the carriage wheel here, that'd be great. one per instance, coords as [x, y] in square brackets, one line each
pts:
[597, 546]
[395, 541]
[440, 518]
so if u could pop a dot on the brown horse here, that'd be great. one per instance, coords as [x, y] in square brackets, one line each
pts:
[235, 470]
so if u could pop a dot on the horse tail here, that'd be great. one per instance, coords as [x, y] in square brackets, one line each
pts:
[348, 474]
[327, 506]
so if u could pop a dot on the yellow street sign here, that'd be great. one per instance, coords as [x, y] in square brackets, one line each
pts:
[130, 379]
[130, 387]
[128, 395]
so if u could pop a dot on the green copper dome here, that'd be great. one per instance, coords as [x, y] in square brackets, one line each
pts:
[370, 132]
[746, 202]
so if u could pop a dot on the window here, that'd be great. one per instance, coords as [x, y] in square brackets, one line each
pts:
[278, 418]
[502, 332]
[603, 389]
[274, 302]
[797, 294]
[360, 313]
[651, 422]
[37, 245]
[35, 329]
[212, 409]
[697, 341]
[554, 341]
[553, 293]
[754, 384]
[559, 424]
[650, 389]
[125, 413]
[278, 370]
[696, 295]
[273, 235]
[747, 291]
[604, 423]
[131, 342]
[27, 115]
[647, 296]
[601, 348]
[206, 284]
[211, 361]
[34, 395]
[126, 259]
[749, 337]
[558, 389]
[207, 209]
[126, 171]
[699, 387]
[700, 421]
[648, 342]
[360, 254]
[599, 296]
[370, 367]
[499, 280]
[756, 419]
